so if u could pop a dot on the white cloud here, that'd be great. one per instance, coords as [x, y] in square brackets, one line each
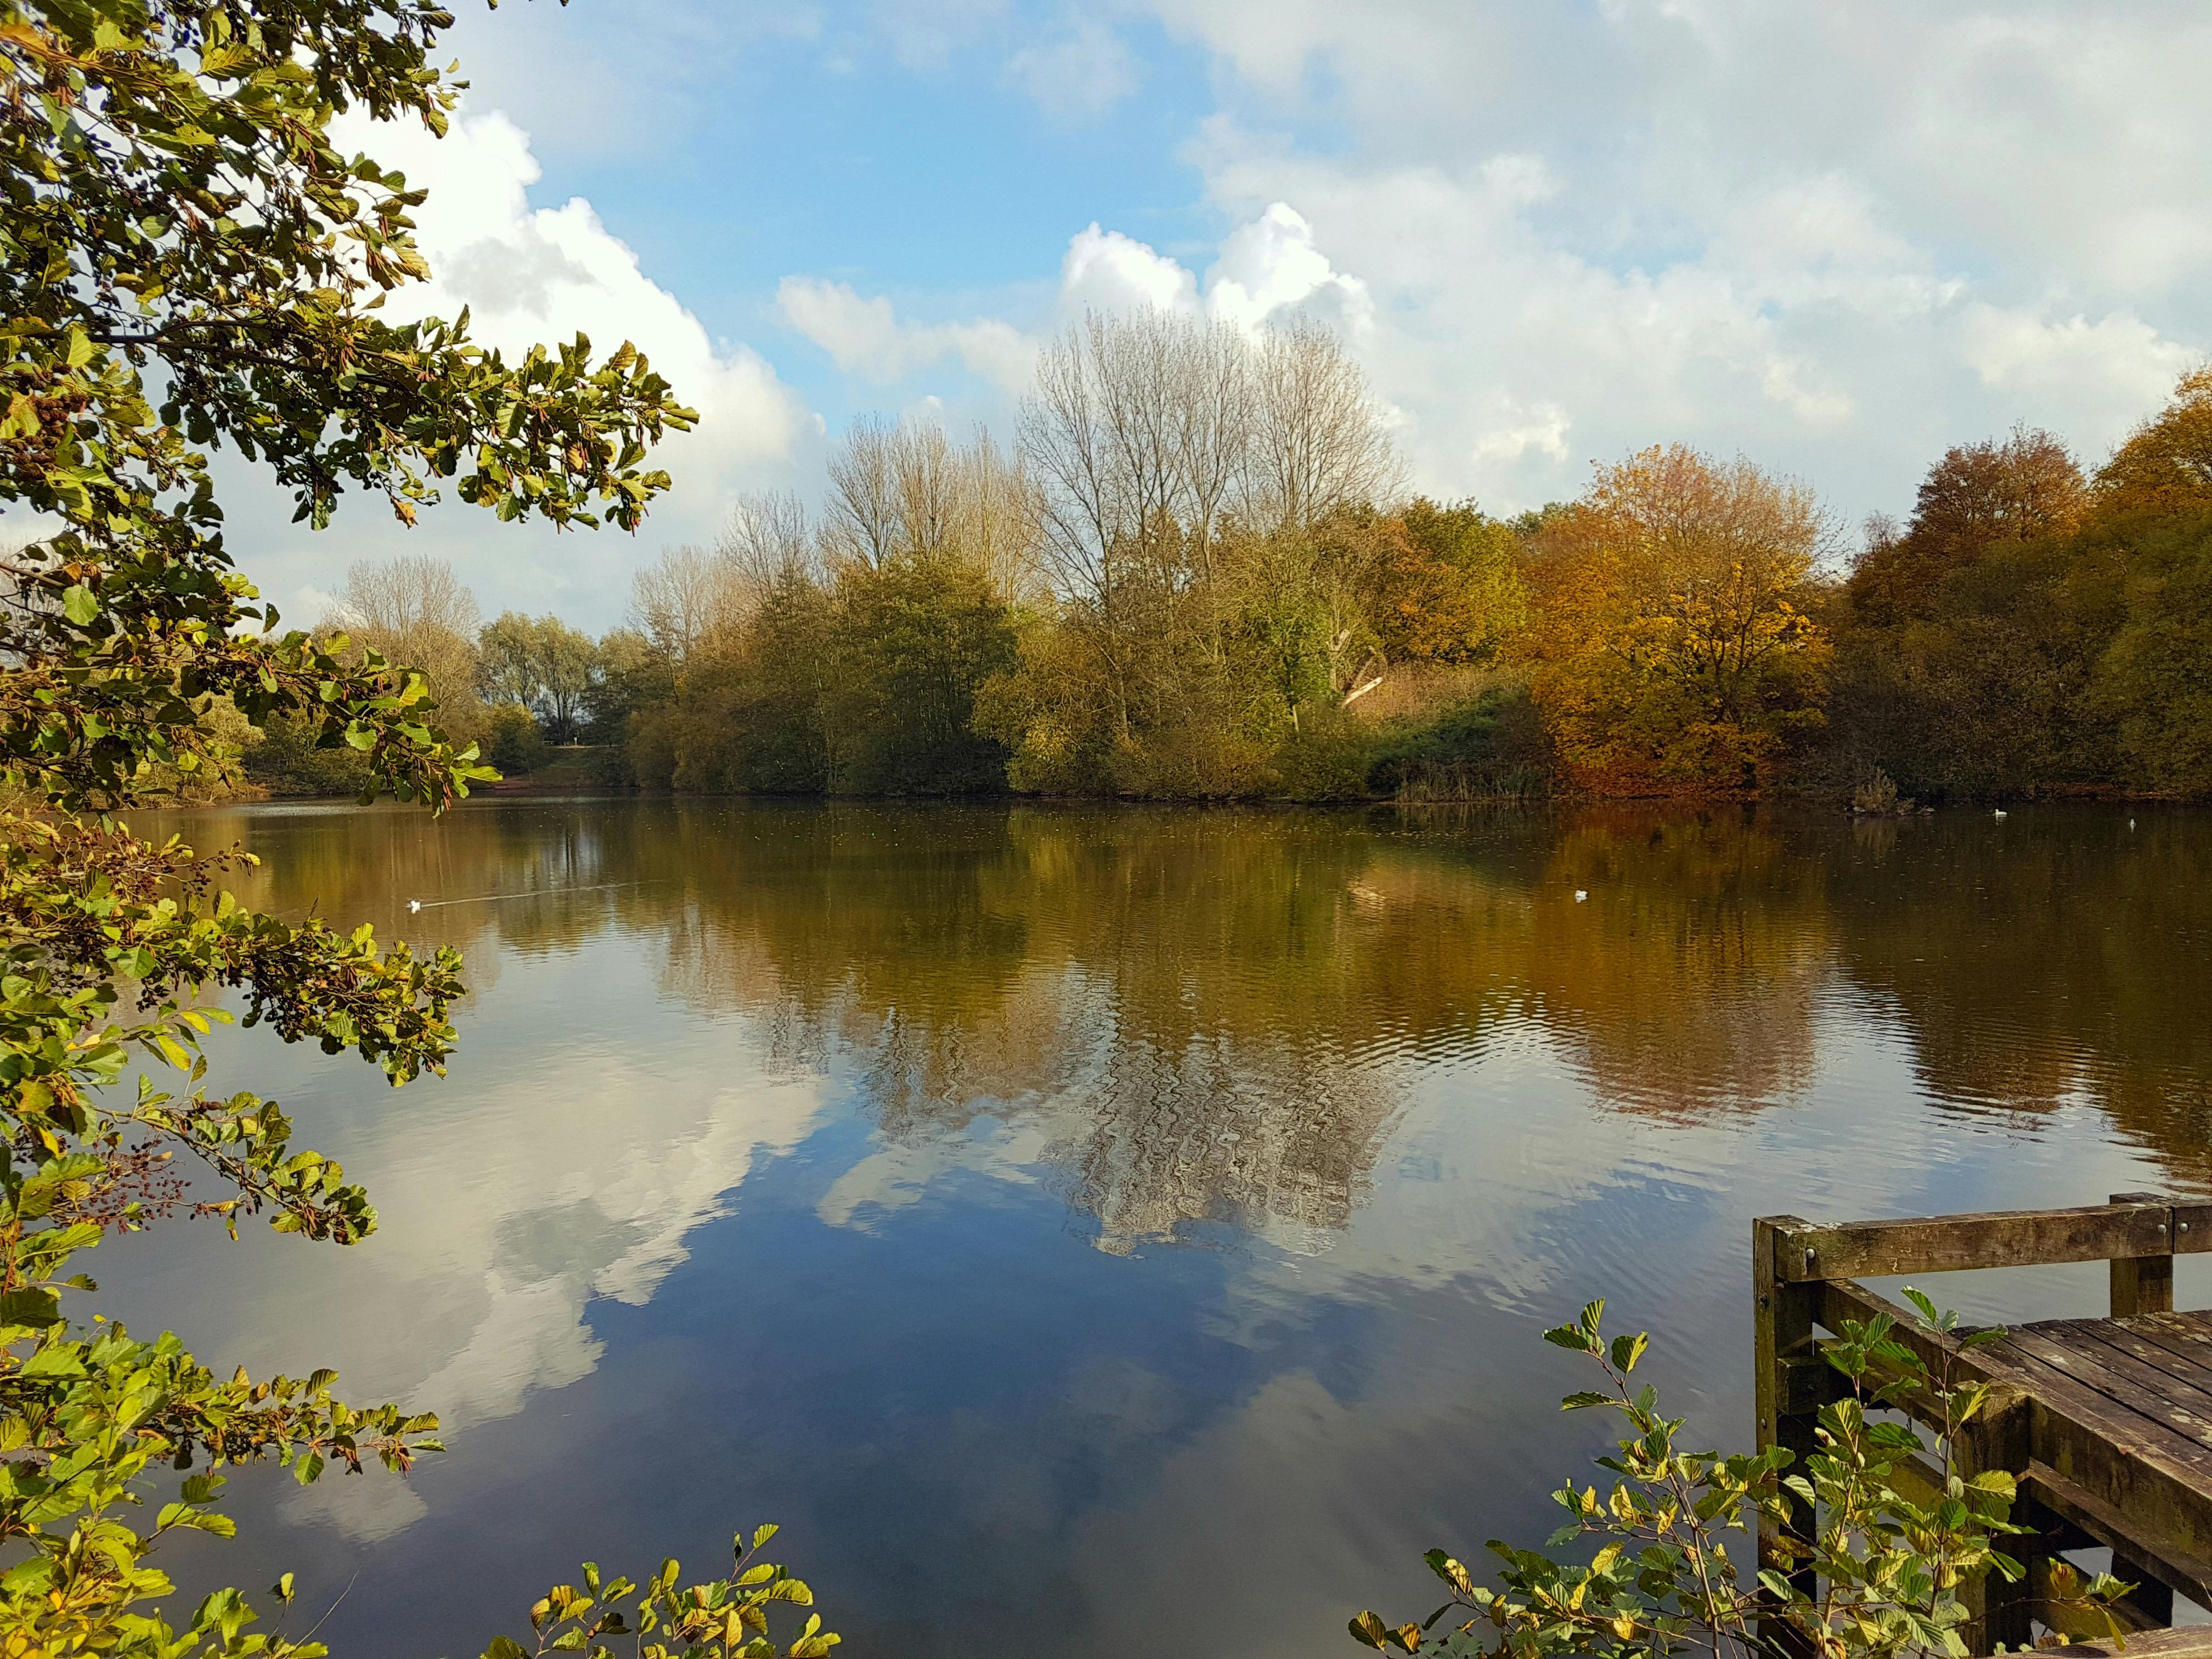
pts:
[1270, 263]
[528, 275]
[1838, 238]
[1077, 74]
[1106, 270]
[1265, 268]
[863, 336]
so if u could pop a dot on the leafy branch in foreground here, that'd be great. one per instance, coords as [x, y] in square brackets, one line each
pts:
[1882, 1574]
[724, 1618]
[187, 261]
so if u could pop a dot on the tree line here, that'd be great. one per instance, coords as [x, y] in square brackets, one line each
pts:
[1195, 575]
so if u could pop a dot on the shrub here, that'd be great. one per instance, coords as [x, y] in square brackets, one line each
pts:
[1881, 1576]
[513, 743]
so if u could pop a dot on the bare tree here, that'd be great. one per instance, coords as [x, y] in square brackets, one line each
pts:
[686, 596]
[1085, 516]
[767, 538]
[998, 523]
[1322, 442]
[399, 595]
[909, 491]
[417, 613]
[862, 520]
[1217, 403]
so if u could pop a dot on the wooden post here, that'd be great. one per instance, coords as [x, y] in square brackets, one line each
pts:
[1783, 1323]
[1997, 1438]
[2141, 1285]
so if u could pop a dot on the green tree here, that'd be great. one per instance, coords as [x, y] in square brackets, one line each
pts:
[921, 634]
[542, 664]
[2154, 679]
[191, 262]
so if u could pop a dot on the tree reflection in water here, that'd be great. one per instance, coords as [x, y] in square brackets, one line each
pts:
[1191, 1016]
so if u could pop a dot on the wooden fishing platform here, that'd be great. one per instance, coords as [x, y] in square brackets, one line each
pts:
[2106, 1423]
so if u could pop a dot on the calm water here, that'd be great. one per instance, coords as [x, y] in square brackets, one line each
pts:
[1121, 1232]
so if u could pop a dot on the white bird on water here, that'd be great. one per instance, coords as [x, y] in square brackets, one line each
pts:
[1581, 894]
[2001, 811]
[413, 905]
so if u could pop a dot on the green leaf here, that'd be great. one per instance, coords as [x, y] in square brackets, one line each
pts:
[80, 605]
[38, 1309]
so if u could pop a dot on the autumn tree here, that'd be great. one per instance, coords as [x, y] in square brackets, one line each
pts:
[1437, 584]
[1670, 640]
[1978, 496]
[2166, 465]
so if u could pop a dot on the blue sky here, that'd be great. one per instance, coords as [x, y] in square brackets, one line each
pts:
[1836, 238]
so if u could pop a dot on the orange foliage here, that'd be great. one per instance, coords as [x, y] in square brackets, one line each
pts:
[1669, 642]
[1977, 496]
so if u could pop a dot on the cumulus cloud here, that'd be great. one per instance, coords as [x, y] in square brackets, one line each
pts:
[528, 274]
[1267, 268]
[1838, 238]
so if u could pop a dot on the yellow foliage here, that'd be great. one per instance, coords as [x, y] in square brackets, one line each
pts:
[2166, 465]
[1670, 640]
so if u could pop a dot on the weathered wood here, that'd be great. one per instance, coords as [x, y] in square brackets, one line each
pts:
[1998, 1437]
[2183, 1332]
[1783, 1317]
[2107, 1423]
[2181, 1376]
[2160, 1559]
[2144, 1283]
[2131, 1466]
[2131, 1386]
[2190, 1642]
[1999, 1238]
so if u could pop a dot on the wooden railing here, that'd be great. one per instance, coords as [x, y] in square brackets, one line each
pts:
[2083, 1483]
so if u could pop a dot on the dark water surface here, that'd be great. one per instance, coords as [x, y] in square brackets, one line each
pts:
[1127, 1232]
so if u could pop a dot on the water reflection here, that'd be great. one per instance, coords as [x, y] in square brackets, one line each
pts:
[1049, 1212]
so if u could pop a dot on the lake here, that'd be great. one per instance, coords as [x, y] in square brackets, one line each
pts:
[1104, 1231]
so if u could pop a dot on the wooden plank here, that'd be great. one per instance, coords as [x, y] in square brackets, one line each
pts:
[2192, 1227]
[2183, 1331]
[2190, 1354]
[2161, 1559]
[2187, 1377]
[1996, 1238]
[2188, 1642]
[2132, 1385]
[2142, 1283]
[2162, 1482]
[1782, 1323]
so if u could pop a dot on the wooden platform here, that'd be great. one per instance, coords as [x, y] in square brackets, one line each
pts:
[2106, 1423]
